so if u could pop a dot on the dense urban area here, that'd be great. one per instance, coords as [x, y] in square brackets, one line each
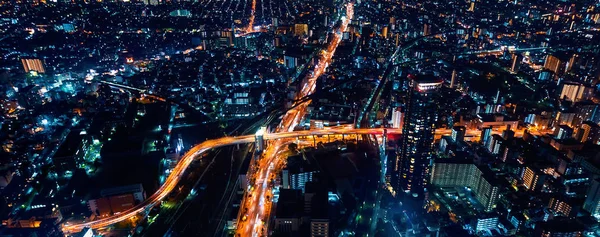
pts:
[321, 118]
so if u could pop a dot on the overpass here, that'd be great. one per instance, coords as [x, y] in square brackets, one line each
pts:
[173, 179]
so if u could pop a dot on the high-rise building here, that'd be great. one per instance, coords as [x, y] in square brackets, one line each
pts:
[33, 64]
[415, 156]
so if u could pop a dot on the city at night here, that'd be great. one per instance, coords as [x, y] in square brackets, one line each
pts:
[300, 118]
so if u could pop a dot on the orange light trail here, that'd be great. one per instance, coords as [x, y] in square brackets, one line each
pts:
[251, 19]
[175, 176]
[257, 215]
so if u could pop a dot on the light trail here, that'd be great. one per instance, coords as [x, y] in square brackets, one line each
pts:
[175, 176]
[251, 18]
[257, 215]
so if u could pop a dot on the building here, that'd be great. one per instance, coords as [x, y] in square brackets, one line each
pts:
[554, 64]
[86, 232]
[291, 62]
[559, 228]
[563, 132]
[137, 190]
[108, 206]
[296, 179]
[289, 211]
[485, 222]
[33, 64]
[486, 136]
[453, 79]
[415, 156]
[533, 179]
[458, 133]
[397, 118]
[426, 29]
[71, 152]
[300, 30]
[116, 200]
[564, 206]
[319, 228]
[587, 111]
[496, 120]
[592, 200]
[495, 144]
[463, 173]
[515, 58]
[574, 92]
[588, 132]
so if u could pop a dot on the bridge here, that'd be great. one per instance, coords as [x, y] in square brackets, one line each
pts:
[196, 151]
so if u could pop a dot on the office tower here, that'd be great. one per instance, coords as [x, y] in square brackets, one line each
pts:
[415, 154]
[33, 64]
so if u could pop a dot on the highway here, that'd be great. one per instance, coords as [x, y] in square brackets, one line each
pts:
[173, 179]
[256, 206]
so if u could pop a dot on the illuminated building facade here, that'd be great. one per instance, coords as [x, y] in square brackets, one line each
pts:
[533, 179]
[33, 64]
[415, 156]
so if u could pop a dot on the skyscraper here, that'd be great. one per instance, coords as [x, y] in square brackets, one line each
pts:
[415, 156]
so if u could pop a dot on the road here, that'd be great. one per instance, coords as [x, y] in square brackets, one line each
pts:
[256, 206]
[173, 179]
